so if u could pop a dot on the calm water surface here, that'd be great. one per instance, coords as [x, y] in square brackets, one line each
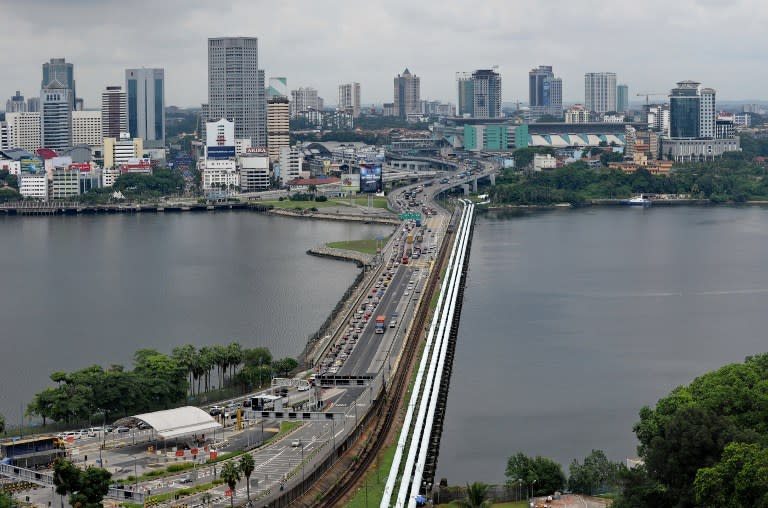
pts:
[78, 291]
[573, 320]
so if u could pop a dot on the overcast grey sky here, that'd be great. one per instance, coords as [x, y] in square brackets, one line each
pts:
[650, 44]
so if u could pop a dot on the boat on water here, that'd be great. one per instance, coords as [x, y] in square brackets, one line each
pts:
[637, 201]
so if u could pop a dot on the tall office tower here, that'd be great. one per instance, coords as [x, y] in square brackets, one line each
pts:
[545, 92]
[304, 99]
[16, 104]
[61, 72]
[486, 93]
[466, 93]
[24, 130]
[114, 112]
[145, 90]
[707, 113]
[685, 110]
[349, 98]
[600, 91]
[33, 105]
[622, 98]
[278, 126]
[407, 94]
[278, 87]
[56, 116]
[234, 92]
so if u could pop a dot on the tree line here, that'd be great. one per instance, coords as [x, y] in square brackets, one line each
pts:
[728, 179]
[157, 381]
[703, 445]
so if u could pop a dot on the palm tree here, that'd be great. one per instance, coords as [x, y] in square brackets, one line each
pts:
[247, 465]
[476, 496]
[231, 475]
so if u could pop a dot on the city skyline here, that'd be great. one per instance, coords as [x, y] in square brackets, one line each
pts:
[693, 39]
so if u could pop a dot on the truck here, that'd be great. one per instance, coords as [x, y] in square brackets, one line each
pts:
[380, 324]
[418, 223]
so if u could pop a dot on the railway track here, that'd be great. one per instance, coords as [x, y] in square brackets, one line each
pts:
[334, 496]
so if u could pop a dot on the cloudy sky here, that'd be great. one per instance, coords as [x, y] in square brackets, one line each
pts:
[650, 44]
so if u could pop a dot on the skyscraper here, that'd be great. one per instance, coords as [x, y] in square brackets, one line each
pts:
[349, 98]
[545, 92]
[685, 110]
[61, 72]
[16, 104]
[486, 93]
[278, 126]
[236, 86]
[707, 114]
[304, 99]
[114, 112]
[622, 98]
[56, 116]
[407, 94]
[145, 90]
[466, 92]
[600, 91]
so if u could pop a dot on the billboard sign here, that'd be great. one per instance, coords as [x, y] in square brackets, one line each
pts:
[32, 164]
[220, 152]
[370, 178]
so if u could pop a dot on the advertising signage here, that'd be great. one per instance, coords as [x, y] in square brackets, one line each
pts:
[370, 178]
[220, 152]
[32, 164]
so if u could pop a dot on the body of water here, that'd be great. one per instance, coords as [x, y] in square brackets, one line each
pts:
[574, 320]
[78, 291]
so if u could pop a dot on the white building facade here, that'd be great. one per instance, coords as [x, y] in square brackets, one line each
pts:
[87, 128]
[24, 130]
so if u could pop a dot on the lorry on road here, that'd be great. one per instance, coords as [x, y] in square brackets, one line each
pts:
[380, 324]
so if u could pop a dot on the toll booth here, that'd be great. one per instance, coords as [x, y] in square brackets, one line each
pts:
[32, 453]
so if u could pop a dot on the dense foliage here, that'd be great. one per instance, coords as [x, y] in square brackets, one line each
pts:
[538, 474]
[85, 488]
[137, 187]
[727, 179]
[705, 444]
[157, 381]
[595, 474]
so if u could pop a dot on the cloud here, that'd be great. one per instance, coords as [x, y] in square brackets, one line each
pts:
[650, 45]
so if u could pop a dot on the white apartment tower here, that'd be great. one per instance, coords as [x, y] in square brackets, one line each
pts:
[600, 91]
[24, 130]
[707, 113]
[349, 98]
[87, 128]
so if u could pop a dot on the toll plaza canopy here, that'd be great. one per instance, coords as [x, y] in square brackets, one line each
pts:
[171, 423]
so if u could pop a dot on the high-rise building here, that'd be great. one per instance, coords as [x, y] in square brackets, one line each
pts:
[87, 128]
[278, 126]
[59, 72]
[236, 86]
[121, 150]
[278, 87]
[466, 94]
[33, 105]
[577, 114]
[707, 114]
[622, 98]
[56, 116]
[349, 98]
[24, 130]
[407, 94]
[486, 95]
[304, 99]
[600, 91]
[114, 112]
[16, 104]
[545, 92]
[685, 110]
[145, 90]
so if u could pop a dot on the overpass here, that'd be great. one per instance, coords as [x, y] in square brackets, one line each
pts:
[401, 161]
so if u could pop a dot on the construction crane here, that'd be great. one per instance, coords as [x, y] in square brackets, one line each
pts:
[647, 96]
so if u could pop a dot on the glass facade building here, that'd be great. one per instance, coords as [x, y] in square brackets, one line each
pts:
[684, 110]
[145, 89]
